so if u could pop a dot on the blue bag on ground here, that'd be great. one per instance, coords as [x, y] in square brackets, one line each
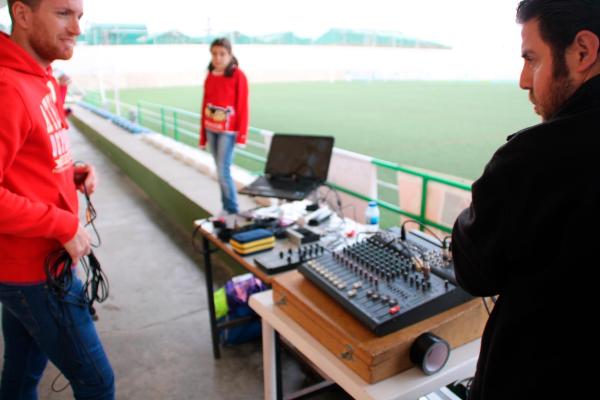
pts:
[238, 290]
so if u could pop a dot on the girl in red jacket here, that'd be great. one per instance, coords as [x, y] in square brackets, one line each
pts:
[224, 119]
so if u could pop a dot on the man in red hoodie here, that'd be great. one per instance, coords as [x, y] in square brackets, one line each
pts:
[39, 210]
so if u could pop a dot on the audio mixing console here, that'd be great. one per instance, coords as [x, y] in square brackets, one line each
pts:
[389, 283]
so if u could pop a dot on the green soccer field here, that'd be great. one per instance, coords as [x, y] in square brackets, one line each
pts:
[447, 127]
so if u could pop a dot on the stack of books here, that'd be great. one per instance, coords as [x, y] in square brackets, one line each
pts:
[254, 241]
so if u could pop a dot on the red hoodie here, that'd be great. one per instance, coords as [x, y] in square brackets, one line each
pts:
[225, 105]
[38, 200]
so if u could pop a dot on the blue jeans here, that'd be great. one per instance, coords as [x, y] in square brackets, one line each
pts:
[221, 147]
[37, 326]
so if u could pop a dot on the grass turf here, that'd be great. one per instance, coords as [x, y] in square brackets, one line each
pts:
[447, 127]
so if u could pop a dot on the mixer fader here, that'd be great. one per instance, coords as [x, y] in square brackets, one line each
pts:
[386, 282]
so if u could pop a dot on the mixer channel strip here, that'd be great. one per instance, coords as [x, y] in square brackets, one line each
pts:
[378, 282]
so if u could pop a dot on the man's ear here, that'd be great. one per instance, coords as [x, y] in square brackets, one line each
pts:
[584, 51]
[22, 15]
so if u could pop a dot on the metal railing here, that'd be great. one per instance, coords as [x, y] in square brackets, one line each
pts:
[183, 126]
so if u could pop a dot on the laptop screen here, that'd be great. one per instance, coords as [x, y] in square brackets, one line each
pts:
[299, 157]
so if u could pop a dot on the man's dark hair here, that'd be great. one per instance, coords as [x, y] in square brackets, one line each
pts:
[31, 3]
[224, 42]
[559, 23]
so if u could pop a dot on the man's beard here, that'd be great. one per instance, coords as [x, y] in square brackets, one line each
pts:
[47, 50]
[561, 89]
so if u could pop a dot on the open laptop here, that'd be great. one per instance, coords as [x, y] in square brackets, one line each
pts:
[296, 165]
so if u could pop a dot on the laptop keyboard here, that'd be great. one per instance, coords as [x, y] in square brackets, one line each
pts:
[282, 193]
[286, 185]
[281, 189]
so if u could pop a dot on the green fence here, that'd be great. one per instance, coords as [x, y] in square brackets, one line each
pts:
[183, 126]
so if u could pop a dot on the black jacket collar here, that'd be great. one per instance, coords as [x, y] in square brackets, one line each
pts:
[584, 98]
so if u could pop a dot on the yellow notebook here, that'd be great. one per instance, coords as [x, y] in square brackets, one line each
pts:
[253, 249]
[255, 243]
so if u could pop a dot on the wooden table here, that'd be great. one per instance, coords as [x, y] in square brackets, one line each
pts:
[410, 384]
[212, 244]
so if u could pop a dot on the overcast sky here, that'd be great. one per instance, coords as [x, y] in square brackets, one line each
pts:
[459, 23]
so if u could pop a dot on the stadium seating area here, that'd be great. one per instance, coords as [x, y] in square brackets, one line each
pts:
[124, 123]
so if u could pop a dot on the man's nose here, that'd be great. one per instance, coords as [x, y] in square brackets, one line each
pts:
[525, 79]
[74, 28]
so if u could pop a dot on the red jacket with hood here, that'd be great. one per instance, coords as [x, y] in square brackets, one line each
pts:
[38, 199]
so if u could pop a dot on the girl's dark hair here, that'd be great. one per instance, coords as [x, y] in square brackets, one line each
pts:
[559, 23]
[225, 43]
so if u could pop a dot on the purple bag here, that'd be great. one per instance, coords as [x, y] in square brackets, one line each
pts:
[238, 290]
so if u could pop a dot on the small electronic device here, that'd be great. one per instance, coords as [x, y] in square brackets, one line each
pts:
[287, 259]
[320, 216]
[300, 236]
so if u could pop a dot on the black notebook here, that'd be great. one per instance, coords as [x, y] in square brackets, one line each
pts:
[296, 165]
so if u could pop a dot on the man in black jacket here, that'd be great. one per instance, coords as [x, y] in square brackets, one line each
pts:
[525, 236]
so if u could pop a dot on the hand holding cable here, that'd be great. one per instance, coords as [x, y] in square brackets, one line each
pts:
[80, 245]
[85, 177]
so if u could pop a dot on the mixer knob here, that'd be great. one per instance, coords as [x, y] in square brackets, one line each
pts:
[394, 310]
[385, 299]
[393, 302]
[418, 284]
[369, 293]
[411, 281]
[446, 284]
[289, 260]
[281, 254]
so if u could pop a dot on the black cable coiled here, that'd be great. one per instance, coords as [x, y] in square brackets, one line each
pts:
[59, 277]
